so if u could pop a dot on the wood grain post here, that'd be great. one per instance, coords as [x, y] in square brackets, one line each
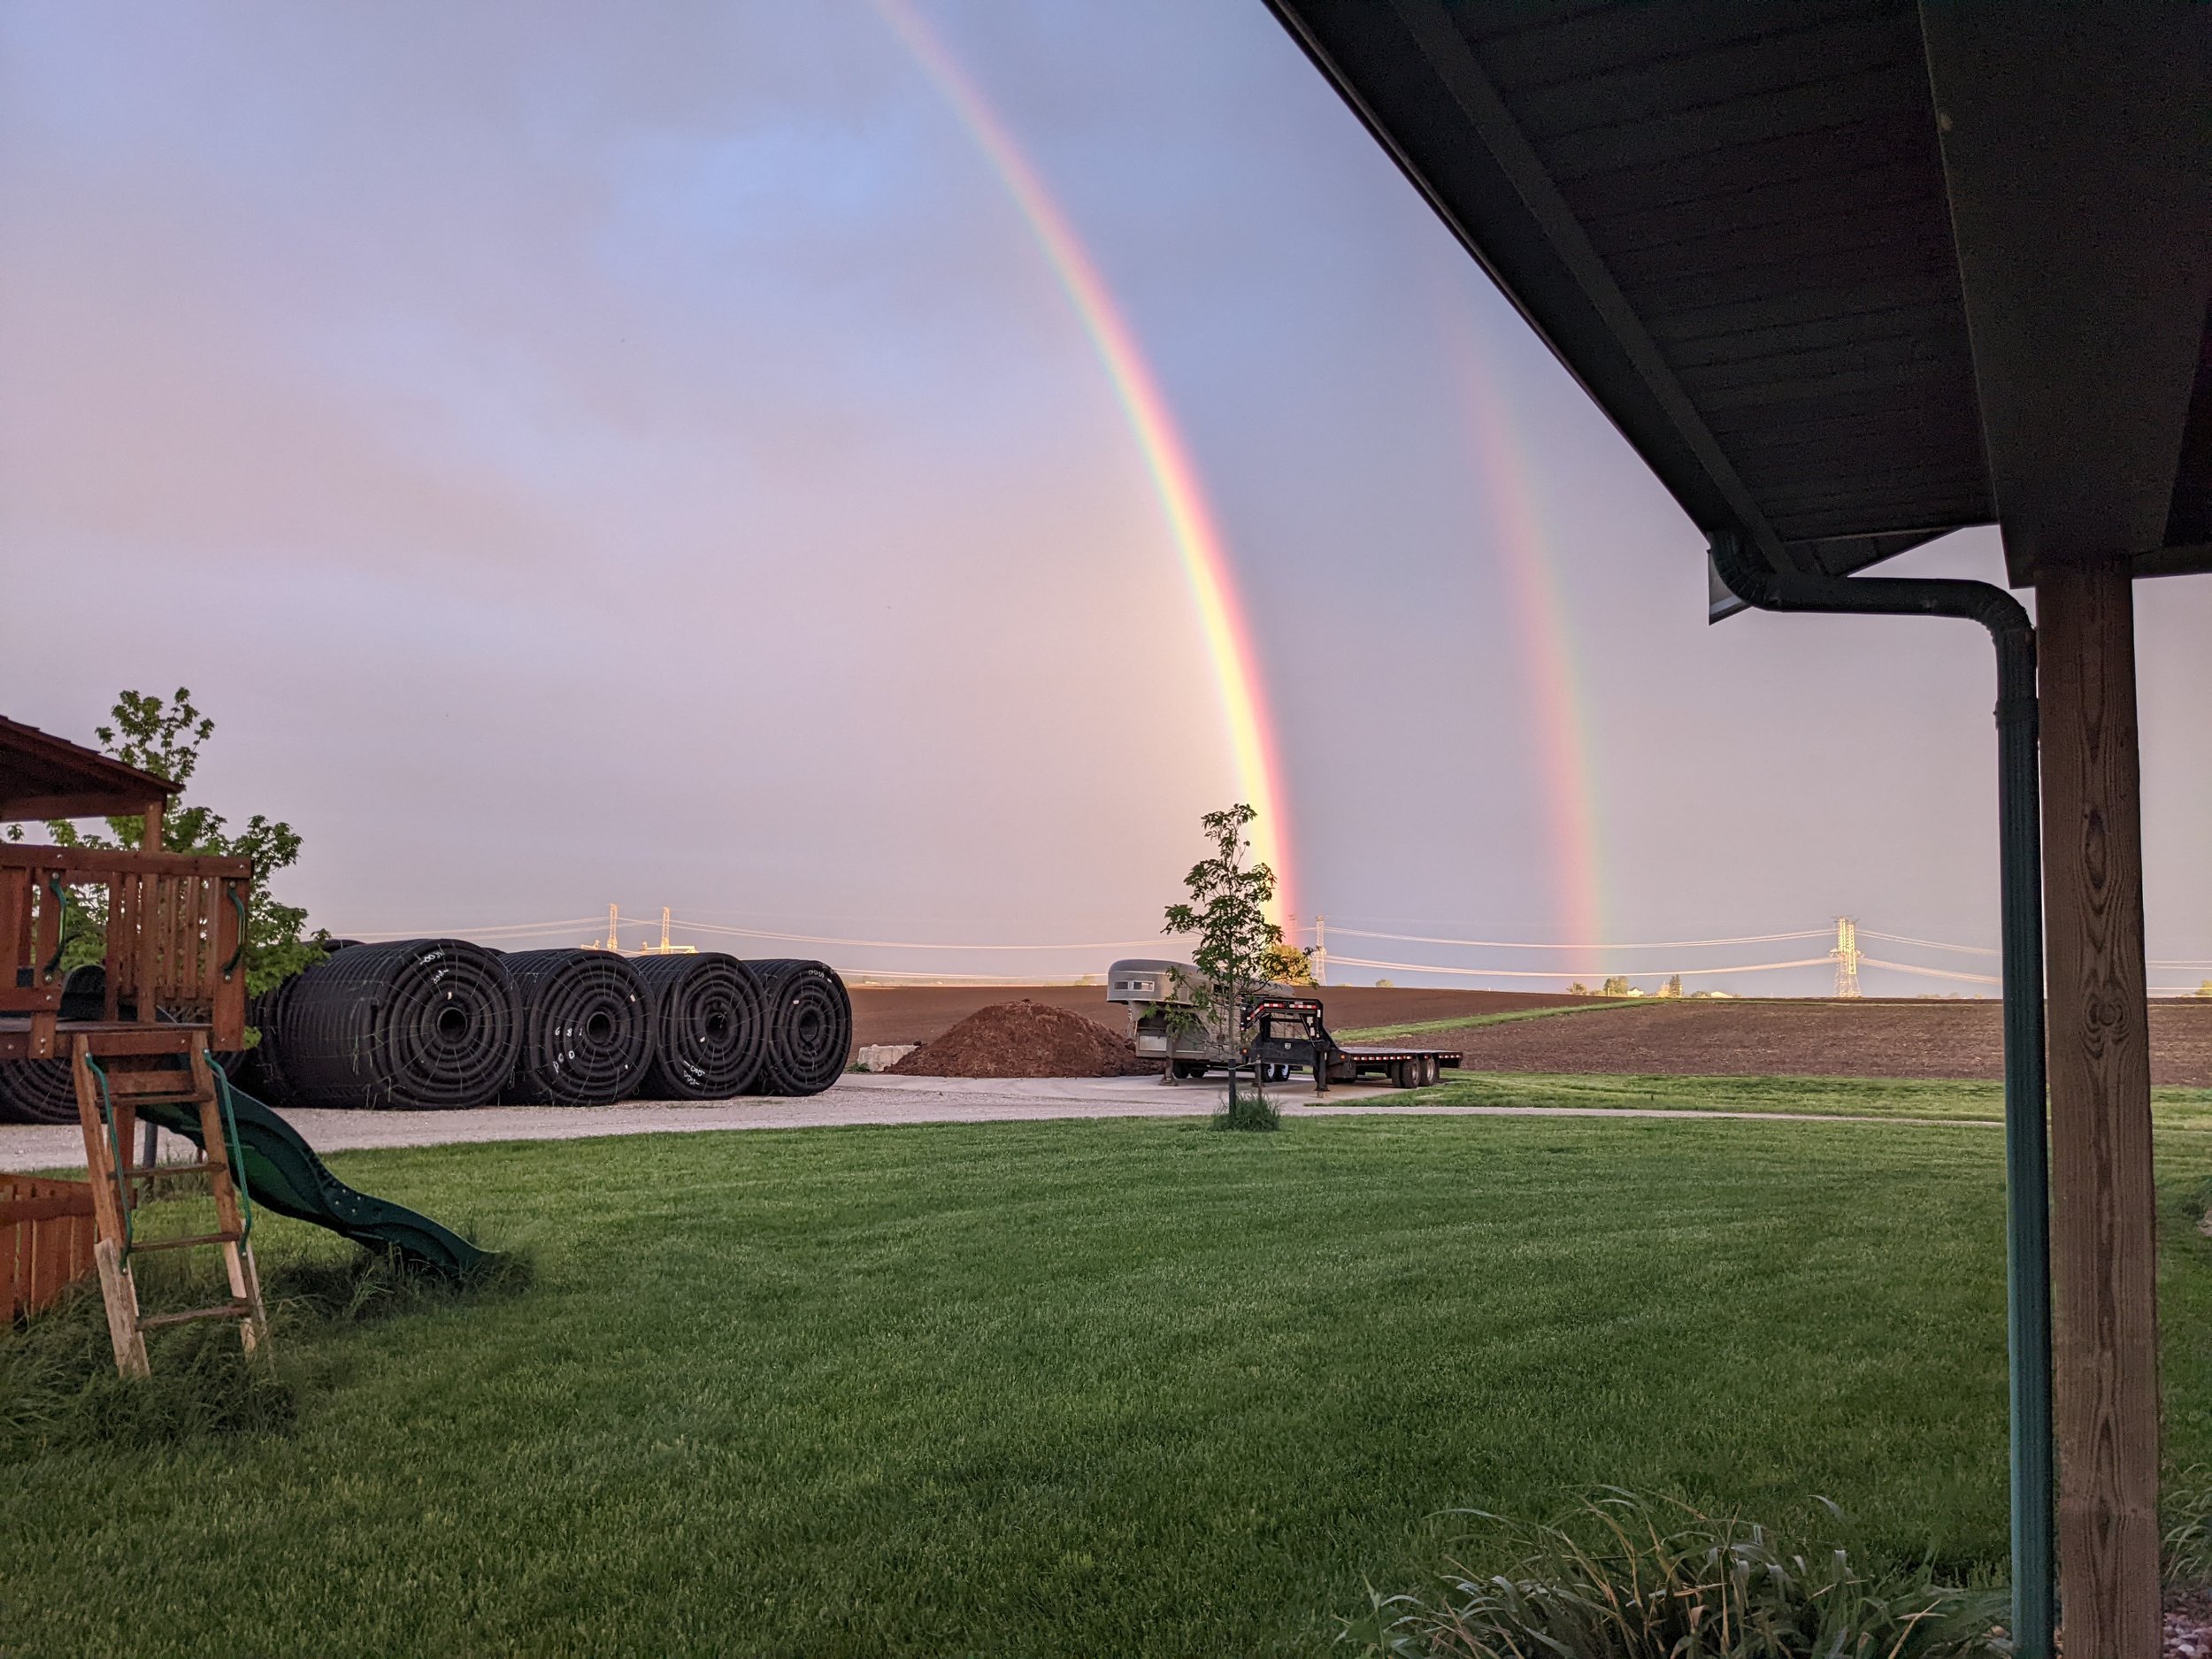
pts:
[2103, 1205]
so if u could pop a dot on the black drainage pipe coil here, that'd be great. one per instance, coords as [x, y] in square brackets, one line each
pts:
[45, 1091]
[37, 1092]
[423, 1024]
[586, 1028]
[709, 1037]
[810, 1021]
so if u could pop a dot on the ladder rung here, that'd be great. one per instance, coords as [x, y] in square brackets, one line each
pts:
[226, 1310]
[185, 1243]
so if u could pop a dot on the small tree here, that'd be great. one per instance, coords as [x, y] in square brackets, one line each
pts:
[165, 739]
[1227, 910]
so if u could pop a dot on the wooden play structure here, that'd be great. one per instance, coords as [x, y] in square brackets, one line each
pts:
[174, 991]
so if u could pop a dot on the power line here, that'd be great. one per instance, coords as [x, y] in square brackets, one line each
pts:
[1522, 944]
[1336, 961]
[1929, 944]
[502, 929]
[896, 944]
[1932, 973]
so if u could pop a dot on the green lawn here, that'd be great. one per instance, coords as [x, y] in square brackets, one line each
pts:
[1081, 1388]
[2182, 1108]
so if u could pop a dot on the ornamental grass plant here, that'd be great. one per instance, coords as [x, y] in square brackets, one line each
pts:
[1626, 1576]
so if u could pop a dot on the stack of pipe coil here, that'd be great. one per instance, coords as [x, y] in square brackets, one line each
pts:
[423, 1024]
[810, 1021]
[708, 1038]
[441, 1024]
[587, 1027]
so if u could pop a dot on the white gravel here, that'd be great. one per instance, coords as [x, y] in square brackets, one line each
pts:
[858, 1098]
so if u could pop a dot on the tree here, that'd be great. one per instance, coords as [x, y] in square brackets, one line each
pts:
[1289, 964]
[1227, 910]
[1672, 987]
[1616, 986]
[165, 739]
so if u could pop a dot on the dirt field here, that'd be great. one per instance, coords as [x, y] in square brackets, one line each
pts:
[916, 1013]
[1802, 1038]
[1868, 1038]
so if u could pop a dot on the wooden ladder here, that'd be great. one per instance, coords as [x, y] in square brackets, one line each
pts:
[110, 1090]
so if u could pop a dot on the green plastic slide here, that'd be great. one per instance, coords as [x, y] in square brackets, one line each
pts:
[283, 1174]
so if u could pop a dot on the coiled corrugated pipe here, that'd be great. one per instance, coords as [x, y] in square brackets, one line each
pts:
[37, 1092]
[709, 1038]
[421, 1024]
[810, 1021]
[587, 1027]
[45, 1091]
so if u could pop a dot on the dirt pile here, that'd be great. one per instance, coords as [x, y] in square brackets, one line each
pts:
[1025, 1039]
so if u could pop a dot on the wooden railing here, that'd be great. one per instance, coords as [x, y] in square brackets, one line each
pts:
[46, 1239]
[176, 933]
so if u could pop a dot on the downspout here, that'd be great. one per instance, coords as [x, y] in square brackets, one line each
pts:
[2027, 1213]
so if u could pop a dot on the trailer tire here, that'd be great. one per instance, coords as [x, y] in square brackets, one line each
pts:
[1187, 1069]
[1406, 1074]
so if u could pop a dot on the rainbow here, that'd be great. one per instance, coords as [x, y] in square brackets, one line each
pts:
[1564, 747]
[1198, 542]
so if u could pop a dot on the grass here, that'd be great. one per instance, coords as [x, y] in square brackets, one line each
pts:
[1467, 1022]
[1962, 1101]
[1623, 1575]
[1074, 1388]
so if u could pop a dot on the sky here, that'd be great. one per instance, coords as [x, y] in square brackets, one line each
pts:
[661, 456]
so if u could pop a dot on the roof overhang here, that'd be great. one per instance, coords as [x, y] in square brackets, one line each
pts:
[1846, 276]
[47, 777]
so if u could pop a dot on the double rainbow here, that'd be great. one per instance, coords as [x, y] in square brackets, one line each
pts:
[1167, 460]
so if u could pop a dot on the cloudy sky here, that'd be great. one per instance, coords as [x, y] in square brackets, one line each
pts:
[643, 455]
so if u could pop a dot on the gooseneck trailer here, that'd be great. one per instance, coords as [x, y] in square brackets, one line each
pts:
[1280, 1030]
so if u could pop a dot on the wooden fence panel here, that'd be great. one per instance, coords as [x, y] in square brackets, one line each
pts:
[46, 1238]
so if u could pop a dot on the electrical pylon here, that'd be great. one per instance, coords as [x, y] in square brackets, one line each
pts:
[1847, 956]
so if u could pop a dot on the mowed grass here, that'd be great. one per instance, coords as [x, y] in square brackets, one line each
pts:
[1940, 1098]
[1072, 1388]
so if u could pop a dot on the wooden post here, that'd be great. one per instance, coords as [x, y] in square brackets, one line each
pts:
[2103, 1206]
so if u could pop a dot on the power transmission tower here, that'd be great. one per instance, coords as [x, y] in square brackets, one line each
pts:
[1847, 956]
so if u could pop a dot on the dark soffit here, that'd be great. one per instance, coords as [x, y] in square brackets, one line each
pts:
[1732, 224]
[43, 776]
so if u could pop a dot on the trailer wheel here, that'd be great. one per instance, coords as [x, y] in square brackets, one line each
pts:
[1432, 1068]
[1407, 1074]
[1190, 1068]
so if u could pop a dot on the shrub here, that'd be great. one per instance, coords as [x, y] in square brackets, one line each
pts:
[1625, 1577]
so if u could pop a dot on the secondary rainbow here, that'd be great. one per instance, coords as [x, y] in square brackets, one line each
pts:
[1564, 745]
[1167, 460]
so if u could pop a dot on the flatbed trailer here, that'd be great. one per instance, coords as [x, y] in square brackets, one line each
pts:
[1280, 1032]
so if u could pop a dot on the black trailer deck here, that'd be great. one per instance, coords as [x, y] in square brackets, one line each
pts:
[1287, 1032]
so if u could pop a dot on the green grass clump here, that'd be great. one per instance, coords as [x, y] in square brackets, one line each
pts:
[1625, 1577]
[1248, 1108]
[60, 1389]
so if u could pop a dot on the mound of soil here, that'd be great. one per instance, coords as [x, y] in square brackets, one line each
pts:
[1025, 1039]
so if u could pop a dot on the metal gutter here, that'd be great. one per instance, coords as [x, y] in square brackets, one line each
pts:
[2027, 1183]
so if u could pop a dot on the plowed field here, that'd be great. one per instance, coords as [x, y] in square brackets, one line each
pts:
[1865, 1038]
[1801, 1038]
